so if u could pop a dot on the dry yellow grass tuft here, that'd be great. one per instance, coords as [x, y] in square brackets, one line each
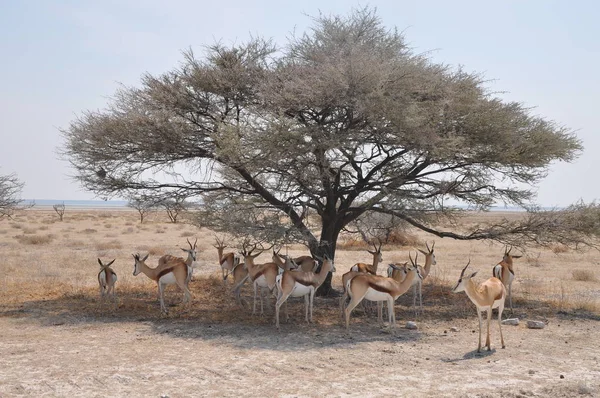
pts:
[152, 250]
[584, 275]
[34, 239]
[557, 249]
[111, 244]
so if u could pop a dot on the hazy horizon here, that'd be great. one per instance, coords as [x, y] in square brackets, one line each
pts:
[62, 58]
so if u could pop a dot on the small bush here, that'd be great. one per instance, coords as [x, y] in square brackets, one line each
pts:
[29, 231]
[89, 231]
[34, 239]
[128, 230]
[107, 225]
[111, 244]
[153, 250]
[584, 275]
[403, 239]
[187, 234]
[3, 231]
[557, 249]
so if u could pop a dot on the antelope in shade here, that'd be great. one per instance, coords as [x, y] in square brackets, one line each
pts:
[261, 275]
[170, 271]
[301, 284]
[370, 268]
[304, 263]
[285, 263]
[505, 272]
[379, 288]
[107, 279]
[486, 296]
[240, 276]
[227, 261]
[399, 273]
[363, 268]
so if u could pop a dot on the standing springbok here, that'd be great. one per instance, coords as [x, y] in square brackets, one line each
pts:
[107, 279]
[191, 258]
[301, 284]
[399, 273]
[227, 261]
[361, 268]
[285, 263]
[304, 263]
[262, 275]
[170, 271]
[486, 296]
[379, 288]
[505, 272]
[370, 268]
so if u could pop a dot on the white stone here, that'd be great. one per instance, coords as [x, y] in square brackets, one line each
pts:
[411, 325]
[511, 321]
[536, 324]
[454, 329]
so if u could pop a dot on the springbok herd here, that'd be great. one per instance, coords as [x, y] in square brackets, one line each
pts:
[298, 277]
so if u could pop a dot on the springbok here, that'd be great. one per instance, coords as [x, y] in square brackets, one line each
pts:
[285, 263]
[107, 279]
[399, 273]
[304, 263]
[170, 271]
[505, 272]
[486, 296]
[301, 284]
[227, 261]
[361, 268]
[379, 288]
[262, 275]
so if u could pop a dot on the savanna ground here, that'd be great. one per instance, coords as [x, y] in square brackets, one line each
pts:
[58, 339]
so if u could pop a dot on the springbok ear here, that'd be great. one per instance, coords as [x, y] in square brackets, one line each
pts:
[516, 256]
[100, 262]
[371, 253]
[145, 257]
[185, 250]
[423, 251]
[109, 264]
[473, 274]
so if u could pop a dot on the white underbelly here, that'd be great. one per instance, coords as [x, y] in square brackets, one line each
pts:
[261, 281]
[300, 290]
[495, 305]
[168, 279]
[375, 295]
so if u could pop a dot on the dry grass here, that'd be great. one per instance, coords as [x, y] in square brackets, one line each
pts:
[34, 239]
[558, 249]
[112, 244]
[89, 231]
[187, 234]
[584, 275]
[152, 250]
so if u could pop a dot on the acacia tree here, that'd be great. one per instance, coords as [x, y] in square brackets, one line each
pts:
[10, 190]
[143, 205]
[342, 122]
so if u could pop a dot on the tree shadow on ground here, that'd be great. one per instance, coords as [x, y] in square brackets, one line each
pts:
[214, 315]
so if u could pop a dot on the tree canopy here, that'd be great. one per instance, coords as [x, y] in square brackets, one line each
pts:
[342, 122]
[10, 191]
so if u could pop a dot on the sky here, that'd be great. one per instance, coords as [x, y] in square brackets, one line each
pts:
[60, 58]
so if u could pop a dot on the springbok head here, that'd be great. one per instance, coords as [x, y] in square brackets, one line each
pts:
[463, 279]
[138, 262]
[192, 250]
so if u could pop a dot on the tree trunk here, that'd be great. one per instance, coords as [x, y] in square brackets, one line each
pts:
[327, 246]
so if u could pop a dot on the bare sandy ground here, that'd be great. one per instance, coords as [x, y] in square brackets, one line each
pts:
[58, 340]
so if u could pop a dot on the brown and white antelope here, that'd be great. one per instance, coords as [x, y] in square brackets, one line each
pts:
[361, 268]
[261, 275]
[301, 284]
[505, 272]
[170, 271]
[285, 263]
[107, 279]
[190, 261]
[370, 268]
[240, 276]
[486, 296]
[399, 273]
[227, 261]
[379, 288]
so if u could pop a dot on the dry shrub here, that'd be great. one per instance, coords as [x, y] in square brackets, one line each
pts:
[3, 231]
[107, 225]
[187, 233]
[127, 230]
[350, 244]
[34, 239]
[557, 249]
[16, 226]
[401, 238]
[44, 228]
[152, 250]
[75, 243]
[111, 244]
[534, 261]
[49, 221]
[584, 275]
[104, 214]
[89, 231]
[128, 223]
[29, 231]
